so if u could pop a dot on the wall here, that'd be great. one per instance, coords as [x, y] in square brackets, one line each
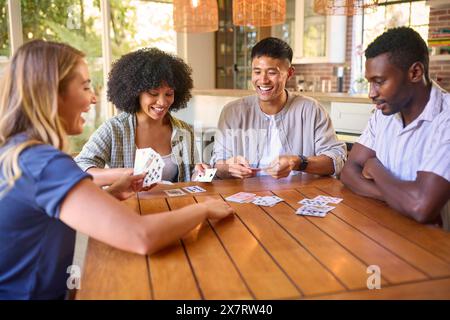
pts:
[440, 70]
[198, 50]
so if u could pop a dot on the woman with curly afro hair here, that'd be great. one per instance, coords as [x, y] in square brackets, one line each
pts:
[147, 85]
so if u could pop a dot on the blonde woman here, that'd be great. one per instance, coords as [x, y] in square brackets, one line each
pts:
[45, 196]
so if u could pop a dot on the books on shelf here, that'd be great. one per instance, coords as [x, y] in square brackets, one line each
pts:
[439, 43]
[439, 37]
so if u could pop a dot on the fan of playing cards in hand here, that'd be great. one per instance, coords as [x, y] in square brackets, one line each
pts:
[148, 160]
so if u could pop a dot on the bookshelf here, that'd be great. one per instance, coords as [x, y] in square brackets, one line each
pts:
[439, 44]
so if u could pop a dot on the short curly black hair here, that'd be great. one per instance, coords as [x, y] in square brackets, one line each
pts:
[404, 45]
[272, 47]
[146, 69]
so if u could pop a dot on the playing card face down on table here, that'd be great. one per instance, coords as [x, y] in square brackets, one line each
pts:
[175, 192]
[241, 197]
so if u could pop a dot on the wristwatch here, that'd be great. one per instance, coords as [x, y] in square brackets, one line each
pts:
[303, 163]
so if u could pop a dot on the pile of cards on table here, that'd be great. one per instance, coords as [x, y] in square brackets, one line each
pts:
[241, 197]
[245, 197]
[267, 201]
[317, 207]
[148, 160]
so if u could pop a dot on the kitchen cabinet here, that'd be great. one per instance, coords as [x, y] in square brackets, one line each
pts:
[318, 38]
[313, 38]
[351, 117]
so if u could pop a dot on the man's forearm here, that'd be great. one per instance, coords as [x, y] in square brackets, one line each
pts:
[351, 177]
[400, 195]
[321, 165]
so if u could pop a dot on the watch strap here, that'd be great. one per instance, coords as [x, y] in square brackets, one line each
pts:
[303, 163]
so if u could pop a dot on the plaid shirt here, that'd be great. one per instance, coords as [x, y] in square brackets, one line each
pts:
[113, 145]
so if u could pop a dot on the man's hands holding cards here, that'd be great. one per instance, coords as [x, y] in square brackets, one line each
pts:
[237, 167]
[282, 166]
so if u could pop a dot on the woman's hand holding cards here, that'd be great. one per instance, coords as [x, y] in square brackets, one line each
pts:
[127, 185]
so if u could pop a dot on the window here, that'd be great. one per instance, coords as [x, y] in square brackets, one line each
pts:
[78, 24]
[134, 24]
[141, 27]
[414, 14]
[286, 31]
[4, 36]
[389, 14]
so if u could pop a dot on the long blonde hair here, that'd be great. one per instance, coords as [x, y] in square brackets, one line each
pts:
[29, 89]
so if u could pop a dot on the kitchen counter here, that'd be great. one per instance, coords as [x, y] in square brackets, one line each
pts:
[320, 96]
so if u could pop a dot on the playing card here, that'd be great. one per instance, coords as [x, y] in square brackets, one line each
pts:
[261, 201]
[310, 211]
[328, 199]
[194, 189]
[313, 202]
[241, 197]
[143, 159]
[207, 176]
[274, 198]
[174, 192]
[148, 160]
[268, 201]
[165, 182]
[324, 208]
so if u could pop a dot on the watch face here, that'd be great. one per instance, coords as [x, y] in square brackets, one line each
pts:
[304, 163]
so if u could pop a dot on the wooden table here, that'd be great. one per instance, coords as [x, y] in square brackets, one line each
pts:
[272, 253]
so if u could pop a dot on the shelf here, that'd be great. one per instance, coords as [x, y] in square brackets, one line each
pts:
[440, 57]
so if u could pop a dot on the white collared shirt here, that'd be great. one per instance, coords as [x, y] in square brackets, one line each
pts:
[423, 145]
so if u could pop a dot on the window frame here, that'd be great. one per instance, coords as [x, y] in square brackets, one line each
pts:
[357, 63]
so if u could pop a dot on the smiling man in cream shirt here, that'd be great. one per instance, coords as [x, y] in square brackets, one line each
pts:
[275, 132]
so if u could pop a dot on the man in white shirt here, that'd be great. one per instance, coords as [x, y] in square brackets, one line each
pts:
[274, 131]
[403, 156]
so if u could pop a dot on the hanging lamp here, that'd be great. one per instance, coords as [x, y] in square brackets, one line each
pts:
[259, 13]
[344, 7]
[195, 16]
